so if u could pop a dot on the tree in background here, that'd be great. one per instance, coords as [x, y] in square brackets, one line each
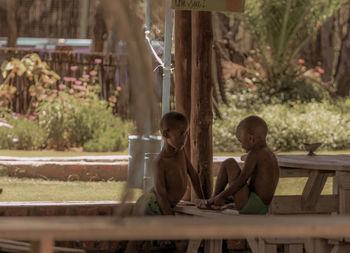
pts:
[267, 57]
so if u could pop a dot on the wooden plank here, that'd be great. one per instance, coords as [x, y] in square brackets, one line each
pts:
[213, 246]
[253, 244]
[193, 246]
[343, 180]
[312, 190]
[321, 246]
[293, 172]
[295, 248]
[275, 240]
[177, 228]
[261, 245]
[45, 245]
[271, 248]
[19, 246]
[319, 162]
[192, 210]
[292, 204]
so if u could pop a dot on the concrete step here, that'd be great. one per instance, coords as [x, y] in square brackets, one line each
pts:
[83, 168]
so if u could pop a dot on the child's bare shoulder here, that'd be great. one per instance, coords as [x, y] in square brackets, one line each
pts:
[263, 155]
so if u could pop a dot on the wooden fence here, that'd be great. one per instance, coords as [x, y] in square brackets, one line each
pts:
[113, 73]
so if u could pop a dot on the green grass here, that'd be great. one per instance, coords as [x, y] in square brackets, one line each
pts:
[24, 189]
[49, 153]
[44, 153]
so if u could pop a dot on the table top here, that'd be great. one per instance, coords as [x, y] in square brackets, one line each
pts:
[319, 162]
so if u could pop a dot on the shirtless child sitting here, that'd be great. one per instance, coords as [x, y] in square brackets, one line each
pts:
[252, 188]
[171, 170]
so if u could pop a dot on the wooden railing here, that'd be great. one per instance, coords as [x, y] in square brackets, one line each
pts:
[45, 230]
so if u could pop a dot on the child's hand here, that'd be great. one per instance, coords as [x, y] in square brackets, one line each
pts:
[218, 201]
[201, 203]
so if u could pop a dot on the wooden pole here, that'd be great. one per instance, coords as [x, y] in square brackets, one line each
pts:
[183, 65]
[201, 103]
[183, 72]
[84, 13]
[167, 57]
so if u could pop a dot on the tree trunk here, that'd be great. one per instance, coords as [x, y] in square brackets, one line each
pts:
[201, 103]
[320, 51]
[342, 78]
[183, 72]
[12, 22]
[183, 65]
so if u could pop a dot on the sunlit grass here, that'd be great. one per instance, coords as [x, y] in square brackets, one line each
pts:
[49, 153]
[25, 189]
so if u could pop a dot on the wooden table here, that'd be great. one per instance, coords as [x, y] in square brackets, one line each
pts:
[317, 168]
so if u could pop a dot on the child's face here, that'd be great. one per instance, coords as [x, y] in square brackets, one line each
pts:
[177, 137]
[246, 139]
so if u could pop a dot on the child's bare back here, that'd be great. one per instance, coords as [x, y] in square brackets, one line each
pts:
[252, 188]
[265, 176]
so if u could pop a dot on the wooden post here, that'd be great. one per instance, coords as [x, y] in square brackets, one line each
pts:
[343, 180]
[183, 73]
[183, 65]
[201, 102]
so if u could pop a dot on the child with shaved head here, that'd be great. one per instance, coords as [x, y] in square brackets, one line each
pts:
[252, 188]
[172, 168]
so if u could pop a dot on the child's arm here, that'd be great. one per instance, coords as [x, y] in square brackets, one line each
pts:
[195, 179]
[246, 173]
[160, 189]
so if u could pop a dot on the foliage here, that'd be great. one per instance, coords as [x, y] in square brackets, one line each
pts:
[298, 91]
[22, 133]
[70, 111]
[74, 114]
[279, 30]
[290, 125]
[35, 70]
[111, 139]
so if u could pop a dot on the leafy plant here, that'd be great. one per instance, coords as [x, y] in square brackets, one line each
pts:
[44, 80]
[279, 30]
[70, 111]
[290, 125]
[21, 133]
[74, 114]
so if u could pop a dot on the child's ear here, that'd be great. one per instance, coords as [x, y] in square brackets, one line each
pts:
[165, 133]
[251, 138]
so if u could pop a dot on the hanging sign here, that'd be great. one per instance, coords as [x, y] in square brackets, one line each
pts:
[208, 5]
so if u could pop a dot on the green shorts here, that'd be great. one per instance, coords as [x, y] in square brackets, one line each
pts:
[254, 205]
[147, 205]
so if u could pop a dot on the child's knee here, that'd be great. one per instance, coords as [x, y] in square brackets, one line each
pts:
[230, 163]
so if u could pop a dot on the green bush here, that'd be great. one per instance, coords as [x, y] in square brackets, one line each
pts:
[25, 135]
[290, 125]
[113, 138]
[82, 122]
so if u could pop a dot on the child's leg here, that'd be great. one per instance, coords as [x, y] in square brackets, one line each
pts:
[241, 197]
[229, 171]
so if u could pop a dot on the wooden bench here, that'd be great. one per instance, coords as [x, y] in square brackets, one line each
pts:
[264, 244]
